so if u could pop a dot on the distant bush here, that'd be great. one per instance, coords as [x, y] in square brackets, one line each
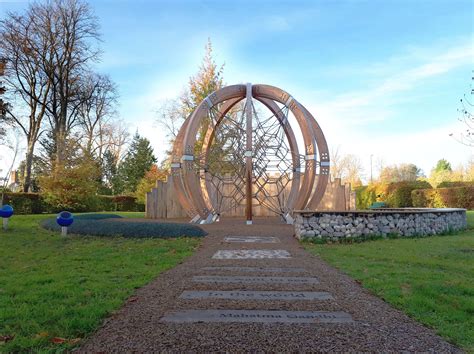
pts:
[119, 203]
[447, 184]
[395, 195]
[365, 196]
[35, 203]
[25, 203]
[456, 197]
[72, 188]
[111, 225]
[398, 195]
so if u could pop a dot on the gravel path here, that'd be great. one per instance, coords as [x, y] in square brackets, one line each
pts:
[139, 325]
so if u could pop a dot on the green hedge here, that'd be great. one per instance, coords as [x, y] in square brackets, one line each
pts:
[395, 195]
[455, 184]
[115, 225]
[25, 203]
[398, 195]
[365, 197]
[34, 203]
[119, 203]
[456, 197]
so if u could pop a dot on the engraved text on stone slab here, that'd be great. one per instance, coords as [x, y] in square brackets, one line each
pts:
[256, 269]
[246, 279]
[257, 316]
[256, 295]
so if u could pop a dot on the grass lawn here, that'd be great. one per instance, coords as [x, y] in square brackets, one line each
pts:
[55, 291]
[431, 279]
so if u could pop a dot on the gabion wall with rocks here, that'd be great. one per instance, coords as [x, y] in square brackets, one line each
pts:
[380, 222]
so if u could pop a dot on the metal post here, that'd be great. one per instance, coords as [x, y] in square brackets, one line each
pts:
[5, 223]
[63, 230]
[371, 168]
[248, 153]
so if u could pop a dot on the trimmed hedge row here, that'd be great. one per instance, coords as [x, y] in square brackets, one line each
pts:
[26, 203]
[456, 197]
[34, 203]
[119, 203]
[395, 195]
[115, 225]
[455, 184]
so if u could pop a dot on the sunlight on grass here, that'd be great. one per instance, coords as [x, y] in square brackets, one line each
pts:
[431, 278]
[64, 287]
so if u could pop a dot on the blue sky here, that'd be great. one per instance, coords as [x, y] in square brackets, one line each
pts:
[382, 78]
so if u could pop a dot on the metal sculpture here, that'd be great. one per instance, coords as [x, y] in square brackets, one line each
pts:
[6, 211]
[64, 219]
[225, 147]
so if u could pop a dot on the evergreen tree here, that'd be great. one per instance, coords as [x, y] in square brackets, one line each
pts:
[443, 165]
[137, 162]
[442, 172]
[109, 172]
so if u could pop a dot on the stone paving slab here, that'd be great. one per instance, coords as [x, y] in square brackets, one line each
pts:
[248, 279]
[258, 316]
[377, 327]
[251, 254]
[256, 269]
[251, 239]
[256, 295]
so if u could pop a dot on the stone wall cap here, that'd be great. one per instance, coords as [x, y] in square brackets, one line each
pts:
[383, 211]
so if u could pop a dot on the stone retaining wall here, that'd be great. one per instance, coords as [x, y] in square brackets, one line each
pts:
[381, 222]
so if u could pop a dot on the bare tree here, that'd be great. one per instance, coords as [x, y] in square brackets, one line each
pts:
[336, 166]
[398, 173]
[96, 110]
[3, 105]
[72, 30]
[48, 50]
[466, 116]
[115, 137]
[346, 167]
[379, 164]
[22, 44]
[171, 116]
[15, 149]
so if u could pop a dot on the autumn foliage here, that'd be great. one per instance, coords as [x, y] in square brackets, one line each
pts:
[149, 181]
[73, 188]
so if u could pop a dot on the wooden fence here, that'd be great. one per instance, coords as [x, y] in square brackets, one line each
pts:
[161, 202]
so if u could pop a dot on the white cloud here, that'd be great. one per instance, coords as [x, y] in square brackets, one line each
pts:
[423, 148]
[345, 117]
[378, 103]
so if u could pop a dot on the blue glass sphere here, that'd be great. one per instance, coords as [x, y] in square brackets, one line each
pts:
[6, 211]
[64, 218]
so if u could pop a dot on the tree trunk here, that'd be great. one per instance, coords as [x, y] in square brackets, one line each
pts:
[28, 166]
[60, 143]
